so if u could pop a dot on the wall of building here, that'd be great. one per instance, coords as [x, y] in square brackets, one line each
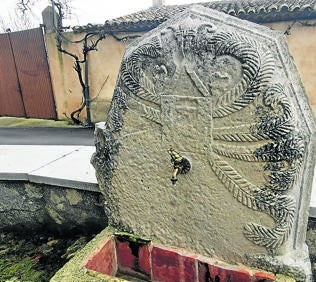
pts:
[104, 66]
[302, 45]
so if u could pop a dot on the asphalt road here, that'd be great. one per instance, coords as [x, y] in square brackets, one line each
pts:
[46, 136]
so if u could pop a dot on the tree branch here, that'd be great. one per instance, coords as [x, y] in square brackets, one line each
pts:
[88, 46]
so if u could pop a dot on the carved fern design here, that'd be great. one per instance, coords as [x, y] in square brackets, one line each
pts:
[280, 207]
[151, 114]
[129, 81]
[285, 151]
[147, 90]
[133, 81]
[289, 149]
[130, 68]
[281, 122]
[282, 154]
[257, 67]
[282, 175]
[238, 137]
[120, 98]
[234, 182]
[236, 152]
[115, 117]
[240, 133]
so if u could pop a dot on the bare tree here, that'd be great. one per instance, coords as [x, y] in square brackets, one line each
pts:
[25, 10]
[16, 21]
[89, 43]
[25, 6]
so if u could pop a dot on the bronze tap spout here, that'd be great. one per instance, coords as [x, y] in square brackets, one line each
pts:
[174, 178]
[180, 165]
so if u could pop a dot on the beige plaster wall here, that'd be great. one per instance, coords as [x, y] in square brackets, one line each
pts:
[302, 46]
[104, 66]
[103, 69]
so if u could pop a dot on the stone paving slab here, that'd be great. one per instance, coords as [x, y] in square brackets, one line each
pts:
[73, 170]
[16, 162]
[67, 166]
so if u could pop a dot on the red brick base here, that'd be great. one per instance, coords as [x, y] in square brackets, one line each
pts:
[151, 262]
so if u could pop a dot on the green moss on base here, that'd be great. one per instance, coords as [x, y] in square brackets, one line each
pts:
[73, 271]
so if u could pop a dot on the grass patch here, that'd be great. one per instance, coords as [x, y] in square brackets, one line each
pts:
[35, 257]
[20, 269]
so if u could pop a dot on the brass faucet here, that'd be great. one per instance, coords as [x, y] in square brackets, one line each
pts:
[180, 165]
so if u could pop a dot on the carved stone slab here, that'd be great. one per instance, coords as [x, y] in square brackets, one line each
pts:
[226, 96]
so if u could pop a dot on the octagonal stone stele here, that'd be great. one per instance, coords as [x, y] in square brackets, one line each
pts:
[225, 95]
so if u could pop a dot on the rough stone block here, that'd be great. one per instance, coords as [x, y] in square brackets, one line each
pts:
[30, 207]
[221, 98]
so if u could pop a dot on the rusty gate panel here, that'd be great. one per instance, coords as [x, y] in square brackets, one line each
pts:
[33, 72]
[11, 103]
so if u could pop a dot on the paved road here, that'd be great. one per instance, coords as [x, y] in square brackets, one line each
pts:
[46, 136]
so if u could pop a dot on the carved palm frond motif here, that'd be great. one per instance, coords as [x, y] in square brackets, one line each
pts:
[270, 139]
[241, 189]
[257, 67]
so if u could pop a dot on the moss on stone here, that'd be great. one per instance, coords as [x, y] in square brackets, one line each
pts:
[283, 278]
[55, 198]
[32, 122]
[21, 269]
[124, 236]
[55, 216]
[73, 196]
[73, 271]
[33, 192]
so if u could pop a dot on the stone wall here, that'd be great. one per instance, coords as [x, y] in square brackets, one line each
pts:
[29, 206]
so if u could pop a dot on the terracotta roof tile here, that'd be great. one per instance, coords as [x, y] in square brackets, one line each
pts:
[258, 11]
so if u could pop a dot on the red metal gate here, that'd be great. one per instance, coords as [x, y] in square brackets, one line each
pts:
[25, 84]
[11, 103]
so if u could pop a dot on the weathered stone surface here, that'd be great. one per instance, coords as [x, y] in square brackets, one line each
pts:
[26, 206]
[226, 95]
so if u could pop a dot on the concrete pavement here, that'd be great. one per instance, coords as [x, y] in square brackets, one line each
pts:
[67, 166]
